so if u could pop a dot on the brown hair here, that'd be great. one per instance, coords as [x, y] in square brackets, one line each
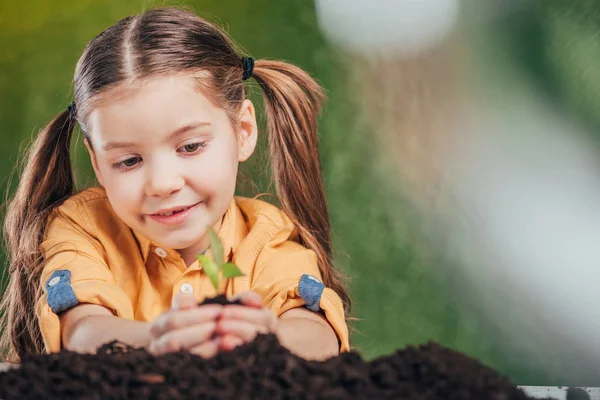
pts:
[160, 42]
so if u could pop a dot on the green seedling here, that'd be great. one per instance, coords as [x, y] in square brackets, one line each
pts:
[217, 269]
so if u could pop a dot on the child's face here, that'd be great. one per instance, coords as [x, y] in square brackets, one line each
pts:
[151, 166]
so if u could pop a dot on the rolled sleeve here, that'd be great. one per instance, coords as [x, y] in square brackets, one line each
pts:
[74, 272]
[287, 276]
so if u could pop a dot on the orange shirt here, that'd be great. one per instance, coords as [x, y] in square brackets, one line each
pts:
[93, 257]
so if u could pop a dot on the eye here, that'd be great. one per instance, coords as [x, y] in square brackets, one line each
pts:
[192, 148]
[130, 162]
[127, 163]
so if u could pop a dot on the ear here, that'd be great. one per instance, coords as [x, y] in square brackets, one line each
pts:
[247, 131]
[90, 150]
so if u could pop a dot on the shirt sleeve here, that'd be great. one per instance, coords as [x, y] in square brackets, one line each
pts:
[74, 272]
[287, 276]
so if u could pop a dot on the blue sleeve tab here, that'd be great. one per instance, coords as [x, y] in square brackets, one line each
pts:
[311, 290]
[60, 296]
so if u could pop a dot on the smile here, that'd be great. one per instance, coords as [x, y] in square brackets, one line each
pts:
[168, 213]
[175, 215]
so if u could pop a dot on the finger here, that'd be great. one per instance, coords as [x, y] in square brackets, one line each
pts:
[184, 300]
[207, 349]
[244, 330]
[175, 319]
[183, 339]
[264, 317]
[229, 342]
[250, 298]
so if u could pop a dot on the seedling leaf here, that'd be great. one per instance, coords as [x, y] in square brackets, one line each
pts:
[230, 270]
[216, 246]
[211, 269]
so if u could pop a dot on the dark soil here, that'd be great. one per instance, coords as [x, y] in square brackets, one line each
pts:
[220, 299]
[577, 394]
[262, 369]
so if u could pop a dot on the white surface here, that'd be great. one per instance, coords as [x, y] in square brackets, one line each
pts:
[556, 392]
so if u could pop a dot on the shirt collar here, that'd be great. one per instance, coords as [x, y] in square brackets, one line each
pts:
[233, 230]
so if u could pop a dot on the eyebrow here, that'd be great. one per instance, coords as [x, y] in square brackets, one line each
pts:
[177, 132]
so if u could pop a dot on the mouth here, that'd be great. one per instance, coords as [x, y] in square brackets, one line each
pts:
[171, 211]
[174, 214]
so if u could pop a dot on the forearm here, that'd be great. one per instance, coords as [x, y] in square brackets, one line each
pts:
[91, 332]
[308, 338]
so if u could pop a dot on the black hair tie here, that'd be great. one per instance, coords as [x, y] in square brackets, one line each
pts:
[72, 108]
[248, 65]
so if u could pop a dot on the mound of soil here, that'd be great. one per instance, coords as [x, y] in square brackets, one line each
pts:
[262, 369]
[220, 299]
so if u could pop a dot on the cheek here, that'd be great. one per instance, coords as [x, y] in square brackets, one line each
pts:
[217, 169]
[126, 195]
[123, 190]
[218, 180]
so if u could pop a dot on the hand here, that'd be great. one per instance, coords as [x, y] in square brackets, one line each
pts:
[240, 324]
[186, 326]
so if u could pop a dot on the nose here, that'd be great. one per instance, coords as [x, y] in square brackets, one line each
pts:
[163, 180]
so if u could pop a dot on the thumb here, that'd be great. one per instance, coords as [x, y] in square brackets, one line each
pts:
[250, 299]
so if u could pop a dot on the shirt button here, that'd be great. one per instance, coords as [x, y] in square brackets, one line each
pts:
[187, 288]
[162, 253]
[54, 281]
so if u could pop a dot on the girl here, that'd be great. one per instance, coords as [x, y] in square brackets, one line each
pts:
[161, 102]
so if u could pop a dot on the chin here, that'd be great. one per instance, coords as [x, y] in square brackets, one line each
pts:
[180, 244]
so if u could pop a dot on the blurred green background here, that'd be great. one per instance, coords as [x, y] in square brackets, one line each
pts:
[400, 294]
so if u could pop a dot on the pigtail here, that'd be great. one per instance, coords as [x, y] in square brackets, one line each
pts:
[47, 181]
[293, 102]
